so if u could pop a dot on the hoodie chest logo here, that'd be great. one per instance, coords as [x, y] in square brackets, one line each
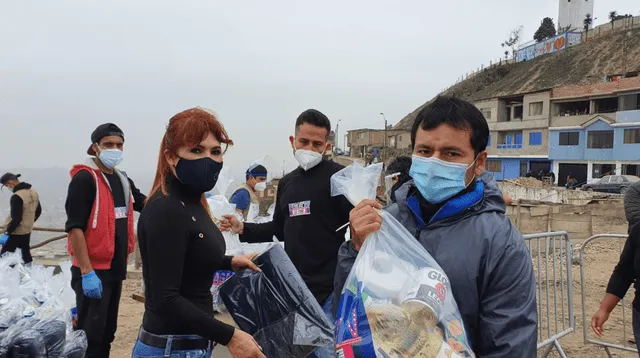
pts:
[300, 209]
[121, 212]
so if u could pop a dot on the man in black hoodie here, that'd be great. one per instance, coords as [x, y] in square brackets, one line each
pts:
[25, 210]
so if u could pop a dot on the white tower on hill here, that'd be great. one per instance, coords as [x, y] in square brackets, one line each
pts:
[573, 12]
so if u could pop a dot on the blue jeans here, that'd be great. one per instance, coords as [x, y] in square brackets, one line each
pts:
[325, 352]
[635, 319]
[141, 350]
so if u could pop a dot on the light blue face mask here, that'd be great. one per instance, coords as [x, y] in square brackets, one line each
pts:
[111, 157]
[436, 179]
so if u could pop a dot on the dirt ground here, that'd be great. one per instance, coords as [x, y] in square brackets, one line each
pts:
[600, 258]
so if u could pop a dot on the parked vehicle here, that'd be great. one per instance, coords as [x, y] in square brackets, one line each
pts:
[612, 184]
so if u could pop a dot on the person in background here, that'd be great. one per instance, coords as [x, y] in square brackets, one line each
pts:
[182, 248]
[626, 272]
[456, 211]
[396, 175]
[245, 196]
[99, 205]
[25, 209]
[307, 218]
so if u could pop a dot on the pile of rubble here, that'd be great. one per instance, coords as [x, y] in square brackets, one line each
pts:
[527, 182]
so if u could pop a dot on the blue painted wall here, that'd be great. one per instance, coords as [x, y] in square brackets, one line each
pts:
[620, 150]
[511, 167]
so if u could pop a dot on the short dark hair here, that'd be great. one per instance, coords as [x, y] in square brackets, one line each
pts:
[402, 165]
[458, 114]
[315, 118]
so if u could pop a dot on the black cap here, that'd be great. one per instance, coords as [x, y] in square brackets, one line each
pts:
[8, 176]
[257, 170]
[104, 130]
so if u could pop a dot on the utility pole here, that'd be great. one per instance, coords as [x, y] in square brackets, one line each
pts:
[336, 144]
[385, 136]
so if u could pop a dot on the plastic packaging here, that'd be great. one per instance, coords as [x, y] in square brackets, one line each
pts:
[277, 308]
[220, 206]
[397, 301]
[76, 345]
[35, 309]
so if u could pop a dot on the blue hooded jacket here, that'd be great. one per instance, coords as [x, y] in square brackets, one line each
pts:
[486, 260]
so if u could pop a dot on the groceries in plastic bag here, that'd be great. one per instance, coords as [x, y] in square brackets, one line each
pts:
[76, 345]
[277, 308]
[220, 206]
[397, 301]
[36, 309]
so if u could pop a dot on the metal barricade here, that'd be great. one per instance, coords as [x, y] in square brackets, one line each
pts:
[586, 316]
[552, 261]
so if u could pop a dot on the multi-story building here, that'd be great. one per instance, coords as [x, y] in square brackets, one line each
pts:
[518, 141]
[595, 130]
[363, 141]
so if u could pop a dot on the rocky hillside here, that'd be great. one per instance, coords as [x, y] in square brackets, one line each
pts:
[586, 63]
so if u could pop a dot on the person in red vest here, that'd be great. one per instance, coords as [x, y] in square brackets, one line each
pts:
[100, 204]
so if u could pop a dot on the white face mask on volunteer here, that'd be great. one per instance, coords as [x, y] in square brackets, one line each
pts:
[308, 158]
[261, 186]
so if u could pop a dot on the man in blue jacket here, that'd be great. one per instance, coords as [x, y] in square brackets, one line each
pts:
[457, 212]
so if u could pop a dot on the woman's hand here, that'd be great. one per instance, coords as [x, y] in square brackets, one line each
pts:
[598, 320]
[242, 345]
[231, 223]
[246, 261]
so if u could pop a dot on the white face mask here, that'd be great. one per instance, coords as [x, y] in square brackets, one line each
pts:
[261, 186]
[308, 158]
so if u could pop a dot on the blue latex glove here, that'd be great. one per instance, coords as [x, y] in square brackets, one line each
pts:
[91, 285]
[3, 239]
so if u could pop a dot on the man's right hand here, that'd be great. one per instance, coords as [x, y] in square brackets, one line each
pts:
[91, 285]
[231, 223]
[242, 345]
[364, 221]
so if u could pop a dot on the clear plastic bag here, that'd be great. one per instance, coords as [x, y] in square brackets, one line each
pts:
[220, 206]
[397, 301]
[277, 308]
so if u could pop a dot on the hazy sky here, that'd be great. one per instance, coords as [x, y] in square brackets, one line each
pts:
[67, 66]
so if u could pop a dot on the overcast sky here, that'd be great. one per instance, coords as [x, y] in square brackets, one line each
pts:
[67, 66]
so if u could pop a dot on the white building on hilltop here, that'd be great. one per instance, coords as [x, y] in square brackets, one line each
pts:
[573, 12]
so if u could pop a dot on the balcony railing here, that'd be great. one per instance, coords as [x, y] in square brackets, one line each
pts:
[509, 146]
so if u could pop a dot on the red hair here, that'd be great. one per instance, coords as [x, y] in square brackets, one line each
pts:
[186, 129]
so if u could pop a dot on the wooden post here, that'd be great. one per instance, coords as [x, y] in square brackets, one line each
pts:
[518, 214]
[138, 264]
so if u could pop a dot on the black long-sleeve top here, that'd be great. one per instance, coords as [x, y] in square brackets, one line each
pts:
[17, 209]
[181, 250]
[628, 268]
[306, 218]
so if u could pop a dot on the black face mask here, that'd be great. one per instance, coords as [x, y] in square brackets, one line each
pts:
[200, 175]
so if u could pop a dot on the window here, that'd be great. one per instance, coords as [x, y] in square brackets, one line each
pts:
[600, 139]
[518, 140]
[569, 138]
[632, 136]
[486, 112]
[489, 142]
[494, 166]
[535, 138]
[362, 135]
[535, 109]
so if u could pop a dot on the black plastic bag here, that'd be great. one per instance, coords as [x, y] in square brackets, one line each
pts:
[277, 308]
[76, 345]
[28, 344]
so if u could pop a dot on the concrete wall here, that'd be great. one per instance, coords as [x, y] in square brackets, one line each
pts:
[526, 149]
[580, 221]
[570, 121]
[548, 194]
[628, 116]
[545, 98]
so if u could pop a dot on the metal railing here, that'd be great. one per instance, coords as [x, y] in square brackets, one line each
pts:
[586, 324]
[551, 253]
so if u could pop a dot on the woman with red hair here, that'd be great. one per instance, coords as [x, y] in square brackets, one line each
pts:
[182, 248]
